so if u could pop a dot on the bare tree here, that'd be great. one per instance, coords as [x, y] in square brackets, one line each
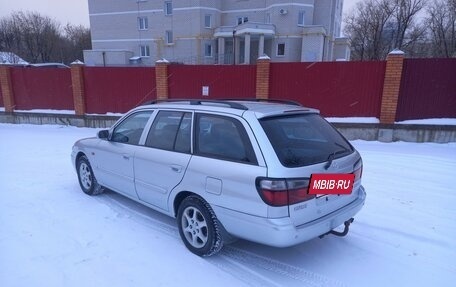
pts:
[405, 32]
[366, 26]
[78, 38]
[39, 35]
[378, 26]
[441, 21]
[38, 38]
[9, 35]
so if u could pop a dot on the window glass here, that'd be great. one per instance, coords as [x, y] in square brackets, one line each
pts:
[168, 8]
[304, 139]
[241, 20]
[144, 51]
[208, 50]
[207, 21]
[224, 138]
[143, 23]
[171, 130]
[301, 18]
[281, 49]
[169, 37]
[130, 130]
[183, 140]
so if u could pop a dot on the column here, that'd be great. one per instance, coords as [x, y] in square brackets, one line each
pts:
[237, 49]
[261, 46]
[77, 79]
[262, 77]
[7, 88]
[161, 79]
[221, 50]
[247, 49]
[391, 86]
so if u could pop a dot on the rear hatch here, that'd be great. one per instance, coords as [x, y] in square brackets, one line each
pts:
[306, 144]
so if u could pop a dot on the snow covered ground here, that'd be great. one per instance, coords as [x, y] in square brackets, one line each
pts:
[51, 234]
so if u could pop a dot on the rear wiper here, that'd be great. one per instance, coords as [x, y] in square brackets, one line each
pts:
[332, 156]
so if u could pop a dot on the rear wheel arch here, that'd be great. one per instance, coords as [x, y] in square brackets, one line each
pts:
[179, 198]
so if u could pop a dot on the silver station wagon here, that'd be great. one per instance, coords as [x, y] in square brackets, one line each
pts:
[227, 169]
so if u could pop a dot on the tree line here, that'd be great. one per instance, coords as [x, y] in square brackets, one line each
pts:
[420, 28]
[39, 39]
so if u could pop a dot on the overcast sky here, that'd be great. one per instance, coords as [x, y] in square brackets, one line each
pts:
[70, 11]
[64, 11]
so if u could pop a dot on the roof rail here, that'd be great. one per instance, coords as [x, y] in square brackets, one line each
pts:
[288, 102]
[199, 102]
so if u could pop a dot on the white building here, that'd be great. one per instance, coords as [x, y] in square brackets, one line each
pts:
[139, 32]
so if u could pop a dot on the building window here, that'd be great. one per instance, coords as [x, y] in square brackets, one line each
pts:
[281, 49]
[144, 51]
[208, 21]
[208, 50]
[143, 23]
[168, 8]
[301, 18]
[268, 18]
[169, 37]
[241, 20]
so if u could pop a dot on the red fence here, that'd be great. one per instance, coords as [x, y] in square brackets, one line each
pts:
[428, 89]
[222, 81]
[339, 89]
[118, 89]
[42, 88]
[1, 96]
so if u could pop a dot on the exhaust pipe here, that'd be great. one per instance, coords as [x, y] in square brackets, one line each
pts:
[337, 233]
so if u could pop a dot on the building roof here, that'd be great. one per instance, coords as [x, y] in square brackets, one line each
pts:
[11, 58]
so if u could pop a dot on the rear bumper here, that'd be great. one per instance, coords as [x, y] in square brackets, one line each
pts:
[281, 232]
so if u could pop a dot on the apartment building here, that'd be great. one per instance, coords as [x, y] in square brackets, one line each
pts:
[140, 32]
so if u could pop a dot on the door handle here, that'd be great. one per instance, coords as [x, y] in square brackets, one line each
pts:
[176, 168]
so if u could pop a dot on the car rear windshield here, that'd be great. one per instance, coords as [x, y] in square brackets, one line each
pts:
[304, 139]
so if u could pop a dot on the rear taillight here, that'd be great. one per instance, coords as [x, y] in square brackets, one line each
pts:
[282, 192]
[358, 173]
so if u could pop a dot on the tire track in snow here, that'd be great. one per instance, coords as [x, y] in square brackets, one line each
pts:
[296, 274]
[244, 265]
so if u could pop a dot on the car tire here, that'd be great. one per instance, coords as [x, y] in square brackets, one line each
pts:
[86, 177]
[199, 227]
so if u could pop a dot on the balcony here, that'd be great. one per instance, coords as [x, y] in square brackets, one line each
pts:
[248, 27]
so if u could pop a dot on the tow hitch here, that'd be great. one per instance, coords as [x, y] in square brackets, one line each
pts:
[337, 233]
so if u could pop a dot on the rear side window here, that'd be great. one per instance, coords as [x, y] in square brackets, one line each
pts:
[171, 130]
[305, 139]
[224, 138]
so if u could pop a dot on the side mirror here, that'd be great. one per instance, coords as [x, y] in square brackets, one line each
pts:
[103, 134]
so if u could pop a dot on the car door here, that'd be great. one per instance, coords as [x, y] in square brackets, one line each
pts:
[161, 163]
[114, 157]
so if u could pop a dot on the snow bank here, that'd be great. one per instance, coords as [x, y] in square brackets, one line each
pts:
[51, 234]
